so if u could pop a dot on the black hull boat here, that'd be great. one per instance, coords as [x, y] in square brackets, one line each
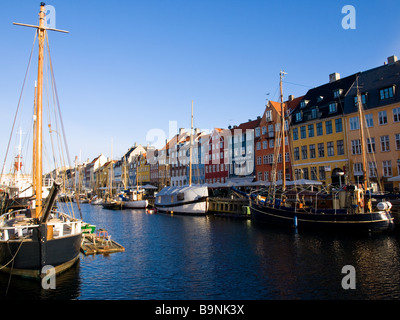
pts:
[323, 219]
[27, 258]
[27, 244]
[38, 237]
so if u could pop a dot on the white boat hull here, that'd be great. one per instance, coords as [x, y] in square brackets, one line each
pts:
[136, 204]
[191, 200]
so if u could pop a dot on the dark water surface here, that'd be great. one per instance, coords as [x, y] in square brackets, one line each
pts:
[182, 257]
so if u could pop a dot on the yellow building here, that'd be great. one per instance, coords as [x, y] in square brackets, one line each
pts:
[380, 101]
[318, 132]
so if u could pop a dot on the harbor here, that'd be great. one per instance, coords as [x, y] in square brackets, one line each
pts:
[170, 257]
[299, 202]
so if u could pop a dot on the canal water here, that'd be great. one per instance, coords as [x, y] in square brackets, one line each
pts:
[211, 258]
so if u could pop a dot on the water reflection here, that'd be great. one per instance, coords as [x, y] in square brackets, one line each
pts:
[180, 257]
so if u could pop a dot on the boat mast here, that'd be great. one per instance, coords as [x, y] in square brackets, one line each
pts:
[37, 148]
[190, 149]
[364, 162]
[282, 73]
[37, 155]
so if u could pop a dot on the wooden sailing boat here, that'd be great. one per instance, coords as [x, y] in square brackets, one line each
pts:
[33, 238]
[346, 213]
[186, 200]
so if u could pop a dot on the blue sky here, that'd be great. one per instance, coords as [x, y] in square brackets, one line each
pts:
[127, 67]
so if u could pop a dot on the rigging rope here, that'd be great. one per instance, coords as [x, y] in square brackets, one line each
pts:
[18, 106]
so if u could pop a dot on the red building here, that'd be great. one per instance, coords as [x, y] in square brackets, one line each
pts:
[216, 156]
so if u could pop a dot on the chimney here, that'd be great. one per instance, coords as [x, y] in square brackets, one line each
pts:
[291, 98]
[181, 131]
[334, 77]
[392, 59]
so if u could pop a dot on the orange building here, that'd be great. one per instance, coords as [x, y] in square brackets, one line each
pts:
[267, 137]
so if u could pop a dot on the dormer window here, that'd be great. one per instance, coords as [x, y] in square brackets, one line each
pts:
[299, 116]
[337, 93]
[386, 93]
[314, 113]
[363, 100]
[268, 116]
[304, 103]
[332, 107]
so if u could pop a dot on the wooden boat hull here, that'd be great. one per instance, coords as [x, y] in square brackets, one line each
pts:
[113, 206]
[32, 255]
[358, 222]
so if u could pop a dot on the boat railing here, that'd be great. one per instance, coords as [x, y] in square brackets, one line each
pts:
[62, 226]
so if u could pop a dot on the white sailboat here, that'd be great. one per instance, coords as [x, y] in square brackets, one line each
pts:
[185, 200]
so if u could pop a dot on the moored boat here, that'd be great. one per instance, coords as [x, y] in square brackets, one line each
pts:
[39, 236]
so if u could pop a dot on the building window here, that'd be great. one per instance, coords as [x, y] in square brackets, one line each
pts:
[330, 148]
[271, 143]
[322, 173]
[397, 139]
[355, 147]
[259, 176]
[268, 116]
[266, 175]
[304, 152]
[312, 151]
[295, 134]
[382, 117]
[369, 120]
[332, 107]
[354, 123]
[303, 132]
[258, 160]
[299, 116]
[372, 169]
[386, 93]
[296, 153]
[321, 150]
[319, 129]
[385, 144]
[371, 145]
[396, 114]
[387, 168]
[305, 173]
[328, 127]
[337, 93]
[265, 144]
[265, 159]
[339, 125]
[264, 130]
[314, 113]
[280, 158]
[363, 100]
[310, 130]
[314, 173]
[358, 169]
[340, 147]
[257, 131]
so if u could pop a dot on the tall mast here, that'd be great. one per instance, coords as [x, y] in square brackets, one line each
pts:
[37, 149]
[39, 118]
[282, 73]
[364, 162]
[190, 149]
